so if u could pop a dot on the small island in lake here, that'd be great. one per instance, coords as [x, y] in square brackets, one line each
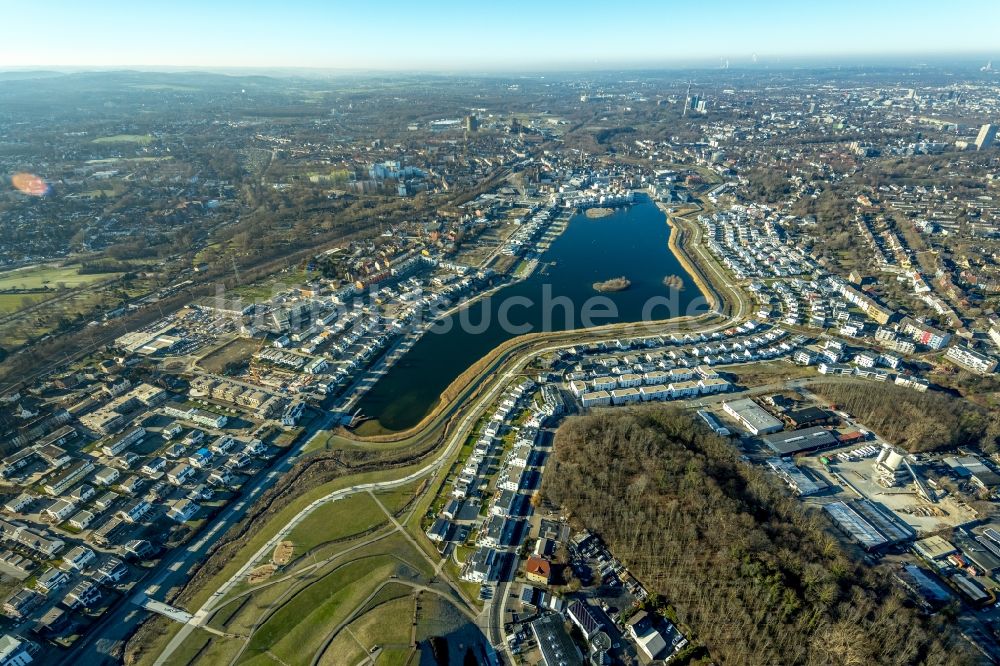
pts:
[673, 282]
[614, 284]
[599, 212]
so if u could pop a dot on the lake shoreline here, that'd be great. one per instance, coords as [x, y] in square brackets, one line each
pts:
[677, 245]
[631, 242]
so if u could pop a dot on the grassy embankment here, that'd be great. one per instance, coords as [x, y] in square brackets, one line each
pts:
[458, 393]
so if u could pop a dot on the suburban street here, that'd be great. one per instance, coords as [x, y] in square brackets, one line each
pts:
[431, 468]
[498, 384]
[378, 335]
[100, 644]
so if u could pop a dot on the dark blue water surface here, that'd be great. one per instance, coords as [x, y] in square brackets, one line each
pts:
[631, 243]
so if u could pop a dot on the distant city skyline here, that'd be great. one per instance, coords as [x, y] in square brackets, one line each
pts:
[458, 36]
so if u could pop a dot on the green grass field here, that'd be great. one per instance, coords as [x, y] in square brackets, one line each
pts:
[296, 630]
[397, 498]
[439, 617]
[163, 631]
[240, 616]
[13, 302]
[264, 290]
[141, 139]
[282, 518]
[389, 592]
[394, 657]
[758, 374]
[386, 623]
[288, 621]
[219, 650]
[344, 649]
[38, 277]
[332, 176]
[190, 648]
[338, 520]
[291, 619]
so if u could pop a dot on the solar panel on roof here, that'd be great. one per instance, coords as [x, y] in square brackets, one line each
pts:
[989, 545]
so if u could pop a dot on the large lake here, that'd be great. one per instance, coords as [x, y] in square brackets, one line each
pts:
[632, 243]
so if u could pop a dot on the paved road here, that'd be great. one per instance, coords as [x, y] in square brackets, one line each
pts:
[121, 622]
[99, 645]
[357, 612]
[499, 383]
[162, 608]
[707, 261]
[180, 561]
[498, 615]
[432, 468]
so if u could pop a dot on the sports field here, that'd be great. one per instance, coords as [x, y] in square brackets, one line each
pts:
[39, 277]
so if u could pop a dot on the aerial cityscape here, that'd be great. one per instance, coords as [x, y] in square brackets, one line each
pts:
[454, 335]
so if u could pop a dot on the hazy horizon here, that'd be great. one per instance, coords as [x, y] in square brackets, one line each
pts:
[518, 37]
[832, 61]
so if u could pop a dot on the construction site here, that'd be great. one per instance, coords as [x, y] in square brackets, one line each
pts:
[889, 478]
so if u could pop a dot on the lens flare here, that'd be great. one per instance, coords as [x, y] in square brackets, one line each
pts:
[29, 183]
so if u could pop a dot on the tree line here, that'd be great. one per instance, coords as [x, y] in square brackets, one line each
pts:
[915, 421]
[748, 571]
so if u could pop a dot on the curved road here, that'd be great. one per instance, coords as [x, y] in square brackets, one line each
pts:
[517, 359]
[498, 384]
[431, 468]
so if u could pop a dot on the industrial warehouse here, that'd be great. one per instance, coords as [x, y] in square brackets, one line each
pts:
[800, 441]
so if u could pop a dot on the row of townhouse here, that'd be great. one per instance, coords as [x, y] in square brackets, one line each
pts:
[47, 449]
[665, 365]
[875, 311]
[518, 476]
[753, 249]
[38, 542]
[674, 391]
[971, 360]
[659, 344]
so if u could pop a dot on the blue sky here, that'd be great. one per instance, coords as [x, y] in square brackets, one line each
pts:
[477, 34]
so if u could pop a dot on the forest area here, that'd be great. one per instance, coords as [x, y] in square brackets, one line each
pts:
[917, 422]
[747, 571]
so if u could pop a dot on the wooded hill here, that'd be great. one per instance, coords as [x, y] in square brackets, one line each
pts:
[748, 571]
[915, 421]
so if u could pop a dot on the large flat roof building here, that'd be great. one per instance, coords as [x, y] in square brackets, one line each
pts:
[975, 470]
[934, 547]
[867, 524]
[795, 478]
[583, 617]
[799, 441]
[971, 360]
[925, 584]
[557, 648]
[752, 416]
